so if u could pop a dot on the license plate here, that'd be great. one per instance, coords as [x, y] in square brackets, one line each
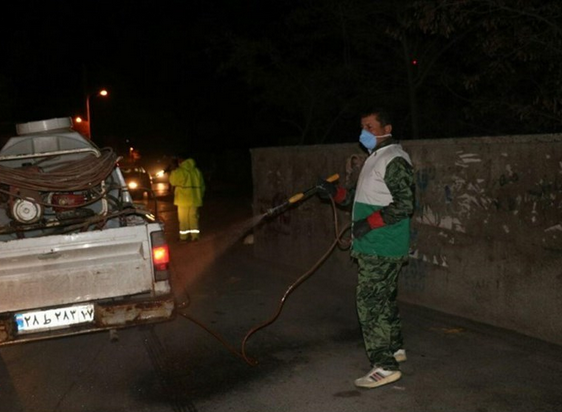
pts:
[41, 320]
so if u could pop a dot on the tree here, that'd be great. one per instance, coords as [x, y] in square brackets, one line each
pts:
[446, 68]
[512, 59]
[319, 66]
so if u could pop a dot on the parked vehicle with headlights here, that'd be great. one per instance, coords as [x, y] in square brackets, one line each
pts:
[138, 180]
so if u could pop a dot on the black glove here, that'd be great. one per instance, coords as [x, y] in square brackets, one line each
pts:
[326, 189]
[361, 228]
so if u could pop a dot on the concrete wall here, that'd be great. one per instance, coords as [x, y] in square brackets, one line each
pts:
[486, 235]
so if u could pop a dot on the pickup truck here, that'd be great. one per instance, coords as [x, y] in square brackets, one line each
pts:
[77, 255]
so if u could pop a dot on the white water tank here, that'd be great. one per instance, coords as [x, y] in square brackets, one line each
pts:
[43, 139]
[53, 136]
[44, 125]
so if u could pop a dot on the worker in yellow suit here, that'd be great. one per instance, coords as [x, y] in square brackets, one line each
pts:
[189, 189]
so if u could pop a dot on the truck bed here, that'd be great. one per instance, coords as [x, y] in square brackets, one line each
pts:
[69, 269]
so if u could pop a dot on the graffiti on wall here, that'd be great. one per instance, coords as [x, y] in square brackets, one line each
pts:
[413, 276]
[532, 198]
[466, 195]
[422, 263]
[280, 223]
[353, 165]
[450, 200]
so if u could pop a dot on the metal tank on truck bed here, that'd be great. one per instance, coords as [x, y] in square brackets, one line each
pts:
[76, 255]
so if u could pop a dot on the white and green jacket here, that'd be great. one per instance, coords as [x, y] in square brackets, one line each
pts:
[385, 185]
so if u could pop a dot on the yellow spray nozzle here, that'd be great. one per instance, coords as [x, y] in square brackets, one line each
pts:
[333, 178]
[296, 198]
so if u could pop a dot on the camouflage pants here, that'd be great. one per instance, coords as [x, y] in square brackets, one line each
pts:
[377, 310]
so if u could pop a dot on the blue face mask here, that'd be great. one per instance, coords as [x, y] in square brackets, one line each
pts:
[368, 140]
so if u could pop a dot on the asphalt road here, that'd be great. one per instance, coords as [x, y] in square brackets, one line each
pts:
[306, 359]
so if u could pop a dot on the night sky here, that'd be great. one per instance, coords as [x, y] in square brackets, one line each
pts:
[159, 61]
[219, 75]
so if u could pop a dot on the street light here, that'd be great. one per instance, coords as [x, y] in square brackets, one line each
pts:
[102, 93]
[81, 126]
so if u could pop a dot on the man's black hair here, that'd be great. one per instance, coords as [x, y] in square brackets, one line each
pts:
[382, 115]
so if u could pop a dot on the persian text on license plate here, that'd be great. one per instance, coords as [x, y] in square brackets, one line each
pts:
[40, 320]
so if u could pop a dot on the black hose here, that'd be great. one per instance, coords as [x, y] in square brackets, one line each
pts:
[242, 354]
[82, 174]
[289, 290]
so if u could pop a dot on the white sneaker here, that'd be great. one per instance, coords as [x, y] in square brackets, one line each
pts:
[377, 377]
[400, 355]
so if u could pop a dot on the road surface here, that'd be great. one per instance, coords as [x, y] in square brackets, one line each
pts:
[306, 360]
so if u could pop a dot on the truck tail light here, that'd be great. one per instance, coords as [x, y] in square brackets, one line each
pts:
[160, 256]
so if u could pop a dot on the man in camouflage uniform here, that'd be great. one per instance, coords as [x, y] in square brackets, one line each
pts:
[383, 202]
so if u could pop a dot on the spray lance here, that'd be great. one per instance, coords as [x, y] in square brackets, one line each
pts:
[339, 233]
[297, 198]
[293, 200]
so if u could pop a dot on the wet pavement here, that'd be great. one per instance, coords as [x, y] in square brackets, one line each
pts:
[310, 355]
[306, 359]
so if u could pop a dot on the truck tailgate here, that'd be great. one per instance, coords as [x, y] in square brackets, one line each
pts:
[64, 269]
